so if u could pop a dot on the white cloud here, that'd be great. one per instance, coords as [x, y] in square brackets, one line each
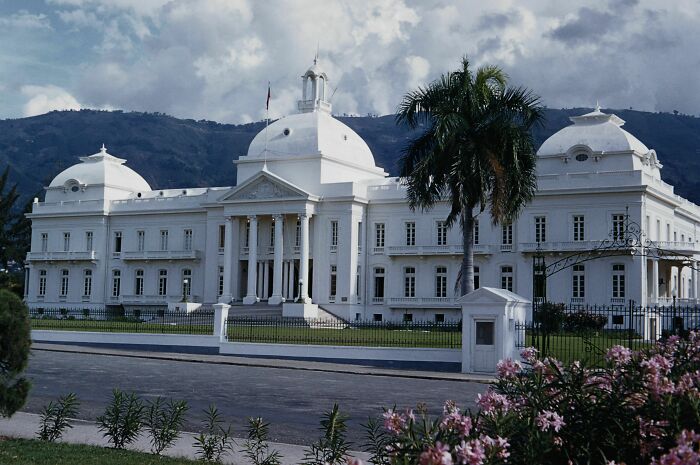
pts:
[43, 99]
[25, 20]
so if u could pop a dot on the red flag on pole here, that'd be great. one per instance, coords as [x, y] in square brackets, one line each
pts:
[267, 104]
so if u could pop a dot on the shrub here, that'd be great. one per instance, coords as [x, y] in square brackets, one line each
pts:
[332, 447]
[641, 407]
[256, 448]
[163, 421]
[54, 417]
[123, 419]
[15, 341]
[213, 441]
[584, 321]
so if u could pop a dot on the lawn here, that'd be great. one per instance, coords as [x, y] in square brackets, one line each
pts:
[33, 452]
[123, 326]
[590, 349]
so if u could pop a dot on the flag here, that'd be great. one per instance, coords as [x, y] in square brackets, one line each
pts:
[267, 104]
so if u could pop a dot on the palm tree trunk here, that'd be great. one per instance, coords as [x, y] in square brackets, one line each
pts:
[467, 282]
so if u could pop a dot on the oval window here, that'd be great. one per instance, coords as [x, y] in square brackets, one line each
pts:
[75, 188]
[582, 157]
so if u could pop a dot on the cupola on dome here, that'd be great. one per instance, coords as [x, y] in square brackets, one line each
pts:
[100, 169]
[596, 131]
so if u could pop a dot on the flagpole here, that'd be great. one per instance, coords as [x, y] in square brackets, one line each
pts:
[267, 122]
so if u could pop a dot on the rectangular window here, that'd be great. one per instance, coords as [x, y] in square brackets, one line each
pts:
[188, 240]
[334, 234]
[187, 282]
[476, 232]
[441, 281]
[476, 277]
[141, 240]
[411, 233]
[507, 234]
[138, 285]
[164, 239]
[222, 236]
[221, 281]
[247, 233]
[668, 232]
[87, 283]
[44, 242]
[439, 318]
[359, 236]
[88, 241]
[162, 282]
[540, 229]
[507, 278]
[409, 283]
[441, 227]
[407, 317]
[379, 234]
[579, 228]
[379, 283]
[578, 284]
[64, 283]
[618, 282]
[334, 283]
[42, 282]
[116, 283]
[118, 242]
[618, 227]
[66, 241]
[377, 317]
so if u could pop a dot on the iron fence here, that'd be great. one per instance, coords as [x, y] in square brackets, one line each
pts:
[278, 330]
[133, 320]
[586, 332]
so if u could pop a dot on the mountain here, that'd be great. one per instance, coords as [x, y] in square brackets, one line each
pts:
[170, 152]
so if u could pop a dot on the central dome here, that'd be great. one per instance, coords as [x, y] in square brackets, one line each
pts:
[310, 134]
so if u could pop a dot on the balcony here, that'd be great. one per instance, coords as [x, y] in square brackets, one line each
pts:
[156, 299]
[422, 302]
[87, 256]
[147, 255]
[480, 249]
[562, 246]
[676, 246]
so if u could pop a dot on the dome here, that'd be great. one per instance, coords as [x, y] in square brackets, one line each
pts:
[308, 134]
[601, 132]
[100, 169]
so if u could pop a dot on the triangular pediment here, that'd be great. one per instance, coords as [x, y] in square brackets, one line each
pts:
[265, 186]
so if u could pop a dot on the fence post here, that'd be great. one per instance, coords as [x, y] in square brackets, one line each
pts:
[220, 316]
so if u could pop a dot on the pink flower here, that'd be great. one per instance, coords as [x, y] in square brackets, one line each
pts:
[548, 419]
[354, 461]
[529, 354]
[619, 355]
[470, 453]
[497, 445]
[491, 402]
[394, 422]
[508, 368]
[685, 452]
[439, 454]
[449, 407]
[456, 422]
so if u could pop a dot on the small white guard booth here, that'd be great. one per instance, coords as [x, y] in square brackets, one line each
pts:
[489, 318]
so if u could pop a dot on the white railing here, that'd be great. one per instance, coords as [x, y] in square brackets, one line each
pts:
[552, 246]
[506, 247]
[156, 299]
[334, 248]
[378, 250]
[162, 255]
[669, 301]
[429, 301]
[676, 245]
[377, 300]
[61, 256]
[617, 300]
[434, 249]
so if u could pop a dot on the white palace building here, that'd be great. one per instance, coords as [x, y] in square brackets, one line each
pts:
[313, 220]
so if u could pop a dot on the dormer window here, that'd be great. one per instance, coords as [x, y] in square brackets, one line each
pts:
[582, 157]
[73, 185]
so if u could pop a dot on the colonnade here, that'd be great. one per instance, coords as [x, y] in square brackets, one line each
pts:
[283, 271]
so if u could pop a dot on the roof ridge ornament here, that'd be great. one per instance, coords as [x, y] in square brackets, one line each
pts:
[103, 149]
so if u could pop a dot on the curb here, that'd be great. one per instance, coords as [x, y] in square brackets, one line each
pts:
[287, 364]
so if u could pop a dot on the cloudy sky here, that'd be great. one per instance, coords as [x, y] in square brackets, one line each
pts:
[212, 59]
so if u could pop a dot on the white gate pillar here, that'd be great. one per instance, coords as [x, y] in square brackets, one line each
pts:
[492, 321]
[220, 316]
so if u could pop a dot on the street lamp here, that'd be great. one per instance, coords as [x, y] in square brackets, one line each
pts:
[184, 290]
[299, 296]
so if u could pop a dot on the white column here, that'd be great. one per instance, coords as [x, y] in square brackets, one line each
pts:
[228, 258]
[277, 297]
[655, 282]
[252, 295]
[304, 262]
[284, 278]
[290, 279]
[266, 279]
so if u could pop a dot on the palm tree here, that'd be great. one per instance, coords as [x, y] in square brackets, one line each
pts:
[475, 150]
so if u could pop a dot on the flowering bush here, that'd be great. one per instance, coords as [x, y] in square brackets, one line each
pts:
[642, 407]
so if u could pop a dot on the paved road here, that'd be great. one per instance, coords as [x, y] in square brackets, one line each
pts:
[291, 400]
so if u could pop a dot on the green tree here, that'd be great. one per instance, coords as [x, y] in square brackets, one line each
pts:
[15, 342]
[475, 150]
[8, 218]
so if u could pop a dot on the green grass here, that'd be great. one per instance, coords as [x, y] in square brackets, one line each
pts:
[33, 452]
[374, 337]
[121, 326]
[591, 349]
